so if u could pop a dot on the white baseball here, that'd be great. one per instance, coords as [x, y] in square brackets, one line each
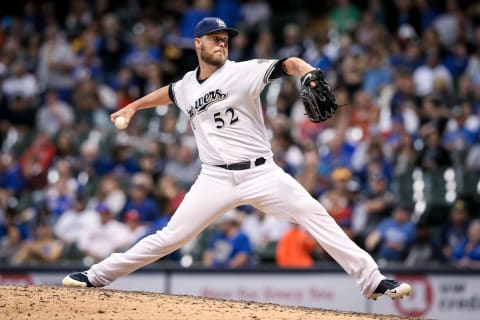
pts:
[120, 122]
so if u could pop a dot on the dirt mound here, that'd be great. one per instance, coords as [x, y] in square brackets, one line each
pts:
[46, 302]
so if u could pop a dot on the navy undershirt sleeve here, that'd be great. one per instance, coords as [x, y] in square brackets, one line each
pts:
[278, 71]
[170, 92]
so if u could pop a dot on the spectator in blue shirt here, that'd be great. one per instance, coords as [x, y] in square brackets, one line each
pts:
[337, 153]
[11, 179]
[229, 247]
[459, 136]
[191, 16]
[140, 200]
[467, 252]
[123, 162]
[393, 236]
[453, 231]
[142, 54]
[12, 234]
[456, 62]
[228, 11]
[377, 74]
[112, 46]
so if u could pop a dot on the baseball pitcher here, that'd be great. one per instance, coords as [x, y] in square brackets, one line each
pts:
[221, 99]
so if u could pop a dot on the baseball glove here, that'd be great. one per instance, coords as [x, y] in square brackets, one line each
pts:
[319, 100]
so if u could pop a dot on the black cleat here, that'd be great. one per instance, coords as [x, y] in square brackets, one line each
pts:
[77, 279]
[392, 289]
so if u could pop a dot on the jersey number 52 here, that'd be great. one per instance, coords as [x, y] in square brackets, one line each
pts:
[228, 118]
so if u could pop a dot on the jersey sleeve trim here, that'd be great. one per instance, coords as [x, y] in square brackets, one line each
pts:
[275, 71]
[171, 93]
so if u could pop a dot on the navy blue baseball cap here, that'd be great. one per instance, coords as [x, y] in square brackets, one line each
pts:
[212, 24]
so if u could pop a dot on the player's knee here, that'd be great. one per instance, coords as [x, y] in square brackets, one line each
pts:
[309, 207]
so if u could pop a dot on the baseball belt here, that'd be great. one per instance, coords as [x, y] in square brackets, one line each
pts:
[243, 165]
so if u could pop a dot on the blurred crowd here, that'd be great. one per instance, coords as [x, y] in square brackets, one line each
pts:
[397, 167]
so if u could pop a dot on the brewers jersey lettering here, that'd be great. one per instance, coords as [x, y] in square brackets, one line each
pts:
[225, 111]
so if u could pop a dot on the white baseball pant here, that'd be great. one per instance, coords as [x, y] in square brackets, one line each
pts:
[217, 190]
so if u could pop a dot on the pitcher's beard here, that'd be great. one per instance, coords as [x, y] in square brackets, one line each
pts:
[212, 59]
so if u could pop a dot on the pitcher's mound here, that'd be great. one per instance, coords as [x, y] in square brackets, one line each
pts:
[50, 303]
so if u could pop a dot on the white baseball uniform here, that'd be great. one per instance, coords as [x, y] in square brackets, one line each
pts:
[227, 121]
